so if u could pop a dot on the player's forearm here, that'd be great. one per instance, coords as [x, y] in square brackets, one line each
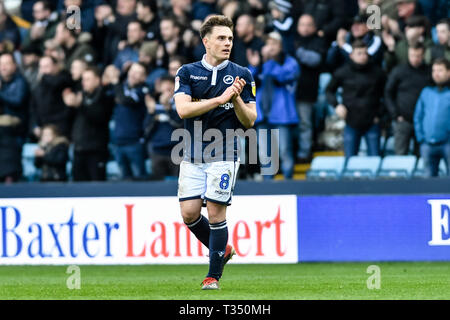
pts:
[245, 114]
[196, 108]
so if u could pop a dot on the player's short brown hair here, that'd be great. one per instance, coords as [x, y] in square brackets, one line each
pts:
[215, 21]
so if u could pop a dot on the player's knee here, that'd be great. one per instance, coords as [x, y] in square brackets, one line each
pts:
[189, 216]
[216, 212]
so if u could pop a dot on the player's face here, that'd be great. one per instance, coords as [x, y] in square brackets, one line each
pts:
[219, 42]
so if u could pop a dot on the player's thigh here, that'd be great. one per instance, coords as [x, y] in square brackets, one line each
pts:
[191, 181]
[221, 177]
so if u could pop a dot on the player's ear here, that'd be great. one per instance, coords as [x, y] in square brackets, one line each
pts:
[205, 41]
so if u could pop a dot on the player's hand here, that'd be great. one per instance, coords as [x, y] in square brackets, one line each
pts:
[227, 95]
[239, 84]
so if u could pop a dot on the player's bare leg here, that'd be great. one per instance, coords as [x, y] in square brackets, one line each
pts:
[194, 220]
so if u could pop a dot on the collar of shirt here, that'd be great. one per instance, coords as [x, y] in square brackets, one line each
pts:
[214, 69]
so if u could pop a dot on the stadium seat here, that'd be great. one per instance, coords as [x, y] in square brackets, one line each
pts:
[362, 167]
[419, 170]
[326, 167]
[30, 172]
[148, 166]
[112, 170]
[387, 146]
[397, 167]
[362, 148]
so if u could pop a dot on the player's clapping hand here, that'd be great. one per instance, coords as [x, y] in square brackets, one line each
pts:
[228, 94]
[239, 84]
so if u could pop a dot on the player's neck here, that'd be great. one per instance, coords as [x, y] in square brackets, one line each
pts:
[213, 61]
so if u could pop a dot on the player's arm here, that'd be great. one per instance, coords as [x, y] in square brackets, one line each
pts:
[245, 112]
[187, 108]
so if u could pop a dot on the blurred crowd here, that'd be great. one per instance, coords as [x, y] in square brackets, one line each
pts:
[96, 84]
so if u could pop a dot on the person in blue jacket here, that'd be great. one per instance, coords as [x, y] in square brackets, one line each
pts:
[431, 120]
[275, 99]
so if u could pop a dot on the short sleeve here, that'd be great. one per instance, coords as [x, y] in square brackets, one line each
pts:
[182, 84]
[248, 94]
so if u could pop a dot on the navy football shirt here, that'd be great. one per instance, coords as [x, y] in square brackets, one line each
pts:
[202, 81]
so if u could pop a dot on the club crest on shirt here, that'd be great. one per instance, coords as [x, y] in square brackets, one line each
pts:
[228, 79]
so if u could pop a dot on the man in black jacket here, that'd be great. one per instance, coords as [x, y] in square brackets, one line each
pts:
[47, 104]
[363, 84]
[310, 51]
[245, 40]
[403, 88]
[330, 16]
[90, 131]
[13, 118]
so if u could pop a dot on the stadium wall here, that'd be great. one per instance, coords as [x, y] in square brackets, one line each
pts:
[273, 222]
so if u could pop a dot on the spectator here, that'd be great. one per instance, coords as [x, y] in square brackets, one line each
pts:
[30, 65]
[8, 29]
[52, 155]
[129, 113]
[161, 120]
[442, 48]
[75, 46]
[402, 90]
[275, 99]
[111, 28]
[130, 51]
[340, 49]
[147, 56]
[431, 119]
[282, 22]
[175, 63]
[90, 131]
[310, 53]
[147, 14]
[13, 117]
[47, 105]
[202, 9]
[416, 30]
[329, 16]
[76, 71]
[434, 10]
[405, 10]
[172, 40]
[362, 83]
[245, 40]
[44, 26]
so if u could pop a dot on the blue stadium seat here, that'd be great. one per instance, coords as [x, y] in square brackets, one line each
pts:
[443, 170]
[362, 167]
[148, 166]
[112, 170]
[419, 170]
[326, 168]
[30, 172]
[397, 167]
[387, 146]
